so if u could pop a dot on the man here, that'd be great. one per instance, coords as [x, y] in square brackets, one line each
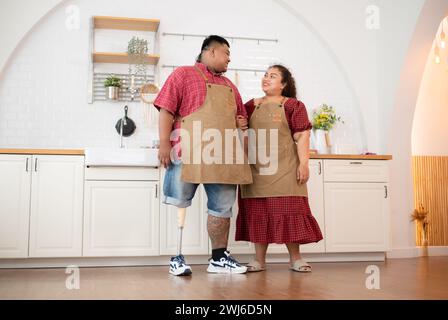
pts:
[201, 97]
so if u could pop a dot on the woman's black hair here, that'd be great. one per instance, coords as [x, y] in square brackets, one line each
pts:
[289, 90]
[208, 42]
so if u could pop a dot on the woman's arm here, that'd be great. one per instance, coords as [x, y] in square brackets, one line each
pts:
[303, 146]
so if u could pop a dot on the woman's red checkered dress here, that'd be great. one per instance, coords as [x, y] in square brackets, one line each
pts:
[278, 219]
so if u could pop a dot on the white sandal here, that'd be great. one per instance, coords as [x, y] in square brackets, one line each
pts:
[300, 266]
[254, 266]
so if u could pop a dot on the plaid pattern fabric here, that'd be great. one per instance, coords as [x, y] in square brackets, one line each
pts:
[278, 219]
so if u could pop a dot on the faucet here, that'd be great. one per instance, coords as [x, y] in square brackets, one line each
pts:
[122, 123]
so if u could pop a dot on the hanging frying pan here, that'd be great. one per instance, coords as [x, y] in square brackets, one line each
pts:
[128, 124]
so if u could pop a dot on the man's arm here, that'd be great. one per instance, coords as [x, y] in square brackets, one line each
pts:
[165, 126]
[167, 103]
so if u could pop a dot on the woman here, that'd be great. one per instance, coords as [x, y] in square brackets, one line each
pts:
[275, 209]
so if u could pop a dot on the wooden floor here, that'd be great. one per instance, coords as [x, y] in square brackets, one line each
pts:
[419, 278]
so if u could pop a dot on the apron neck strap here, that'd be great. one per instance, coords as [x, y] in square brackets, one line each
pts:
[201, 73]
[206, 79]
[284, 100]
[281, 102]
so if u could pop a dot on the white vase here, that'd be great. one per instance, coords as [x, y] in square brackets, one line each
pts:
[322, 141]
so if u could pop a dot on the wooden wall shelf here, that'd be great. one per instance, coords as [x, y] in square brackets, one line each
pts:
[105, 22]
[126, 24]
[113, 57]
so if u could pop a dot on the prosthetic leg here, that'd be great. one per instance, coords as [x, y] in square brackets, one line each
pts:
[177, 263]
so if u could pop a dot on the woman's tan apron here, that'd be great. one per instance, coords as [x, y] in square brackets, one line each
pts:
[284, 182]
[217, 113]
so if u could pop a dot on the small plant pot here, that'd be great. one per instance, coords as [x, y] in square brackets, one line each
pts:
[112, 93]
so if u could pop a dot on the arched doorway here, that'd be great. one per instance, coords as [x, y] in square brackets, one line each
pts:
[430, 146]
[402, 229]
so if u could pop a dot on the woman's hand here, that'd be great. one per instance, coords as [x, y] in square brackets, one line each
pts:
[241, 122]
[164, 153]
[303, 173]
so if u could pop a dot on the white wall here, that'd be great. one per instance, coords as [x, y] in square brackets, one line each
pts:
[430, 128]
[16, 19]
[398, 20]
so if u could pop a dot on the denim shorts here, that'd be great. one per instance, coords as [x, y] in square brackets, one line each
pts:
[221, 197]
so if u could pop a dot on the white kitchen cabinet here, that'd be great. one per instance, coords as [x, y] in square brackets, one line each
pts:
[356, 213]
[48, 210]
[121, 217]
[56, 206]
[316, 201]
[15, 191]
[356, 170]
[41, 206]
[194, 237]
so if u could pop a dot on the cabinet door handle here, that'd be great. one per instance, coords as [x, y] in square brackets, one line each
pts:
[385, 192]
[157, 193]
[26, 165]
[35, 165]
[356, 162]
[320, 168]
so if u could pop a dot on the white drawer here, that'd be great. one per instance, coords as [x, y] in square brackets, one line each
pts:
[122, 173]
[356, 171]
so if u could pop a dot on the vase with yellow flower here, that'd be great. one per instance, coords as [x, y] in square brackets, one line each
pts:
[324, 118]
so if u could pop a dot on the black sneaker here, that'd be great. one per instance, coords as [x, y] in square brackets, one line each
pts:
[227, 264]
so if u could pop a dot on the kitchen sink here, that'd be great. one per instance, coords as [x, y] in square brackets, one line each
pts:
[133, 157]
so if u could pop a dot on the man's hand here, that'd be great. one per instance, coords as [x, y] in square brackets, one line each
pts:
[164, 153]
[241, 122]
[303, 173]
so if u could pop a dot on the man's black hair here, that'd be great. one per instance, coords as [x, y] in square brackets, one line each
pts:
[209, 41]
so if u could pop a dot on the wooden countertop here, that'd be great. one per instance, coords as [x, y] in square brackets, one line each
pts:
[351, 156]
[81, 152]
[44, 151]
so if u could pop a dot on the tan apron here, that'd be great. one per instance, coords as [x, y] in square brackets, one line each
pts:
[227, 165]
[284, 182]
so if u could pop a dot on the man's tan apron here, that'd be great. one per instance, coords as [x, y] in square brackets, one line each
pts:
[227, 165]
[284, 182]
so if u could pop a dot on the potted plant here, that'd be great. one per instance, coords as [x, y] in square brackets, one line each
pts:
[137, 50]
[112, 84]
[323, 121]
